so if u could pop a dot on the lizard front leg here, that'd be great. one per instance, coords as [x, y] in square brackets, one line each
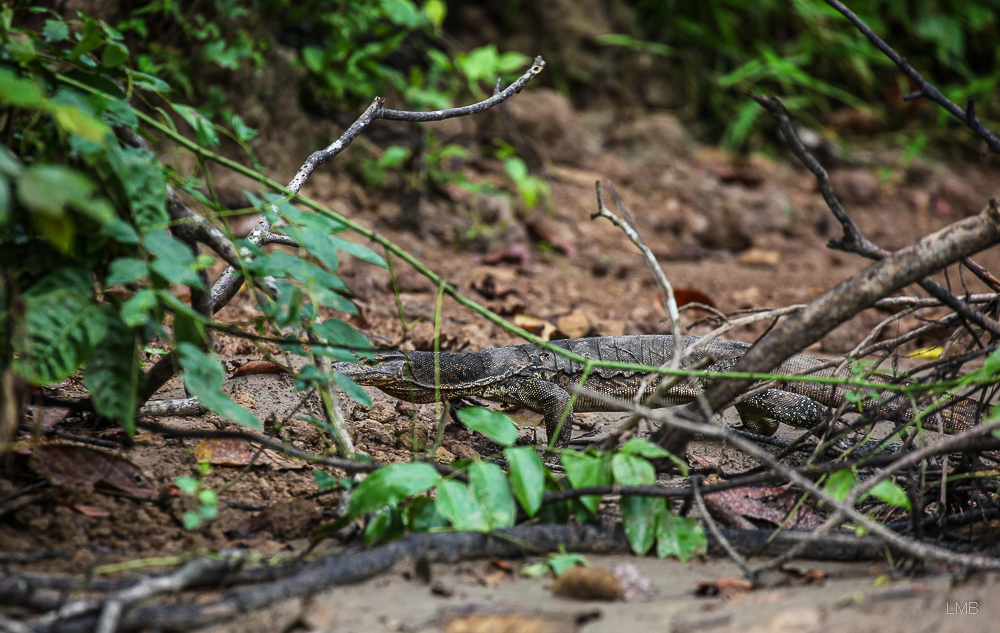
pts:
[541, 396]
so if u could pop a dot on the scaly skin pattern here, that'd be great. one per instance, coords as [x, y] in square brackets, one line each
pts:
[538, 379]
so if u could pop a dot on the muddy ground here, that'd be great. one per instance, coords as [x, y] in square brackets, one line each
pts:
[740, 232]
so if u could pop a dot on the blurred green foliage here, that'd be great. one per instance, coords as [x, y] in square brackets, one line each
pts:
[811, 56]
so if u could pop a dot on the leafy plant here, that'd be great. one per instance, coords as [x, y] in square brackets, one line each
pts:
[92, 270]
[807, 53]
[487, 501]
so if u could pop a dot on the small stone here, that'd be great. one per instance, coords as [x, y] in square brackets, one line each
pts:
[761, 257]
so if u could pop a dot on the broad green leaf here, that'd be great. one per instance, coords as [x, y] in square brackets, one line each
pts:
[202, 126]
[840, 483]
[48, 189]
[141, 178]
[76, 120]
[403, 13]
[391, 484]
[457, 504]
[493, 424]
[527, 477]
[891, 493]
[338, 332]
[112, 376]
[20, 93]
[631, 470]
[421, 515]
[640, 517]
[203, 376]
[242, 130]
[323, 479]
[124, 270]
[55, 31]
[379, 528]
[649, 450]
[561, 562]
[584, 470]
[679, 536]
[363, 253]
[135, 311]
[60, 328]
[353, 390]
[435, 10]
[120, 231]
[645, 448]
[146, 81]
[491, 490]
[114, 54]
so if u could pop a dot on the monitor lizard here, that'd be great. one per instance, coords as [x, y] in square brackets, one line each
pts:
[536, 378]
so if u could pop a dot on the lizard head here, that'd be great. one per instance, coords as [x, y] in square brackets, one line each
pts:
[391, 372]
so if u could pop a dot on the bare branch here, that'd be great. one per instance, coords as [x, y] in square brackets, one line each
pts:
[853, 240]
[969, 117]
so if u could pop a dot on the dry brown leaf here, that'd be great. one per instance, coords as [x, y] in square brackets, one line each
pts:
[539, 327]
[88, 510]
[734, 507]
[588, 583]
[253, 367]
[65, 464]
[516, 253]
[224, 452]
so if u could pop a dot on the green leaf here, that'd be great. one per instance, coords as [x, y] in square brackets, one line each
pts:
[113, 377]
[323, 479]
[421, 515]
[640, 517]
[202, 126]
[561, 562]
[203, 376]
[146, 81]
[527, 477]
[435, 10]
[645, 448]
[60, 328]
[242, 130]
[679, 536]
[457, 504]
[840, 483]
[20, 93]
[535, 570]
[631, 470]
[584, 470]
[338, 332]
[76, 120]
[48, 189]
[493, 424]
[379, 528]
[141, 178]
[491, 490]
[403, 13]
[135, 311]
[363, 253]
[115, 54]
[124, 270]
[353, 390]
[892, 493]
[391, 484]
[120, 231]
[55, 31]
[188, 485]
